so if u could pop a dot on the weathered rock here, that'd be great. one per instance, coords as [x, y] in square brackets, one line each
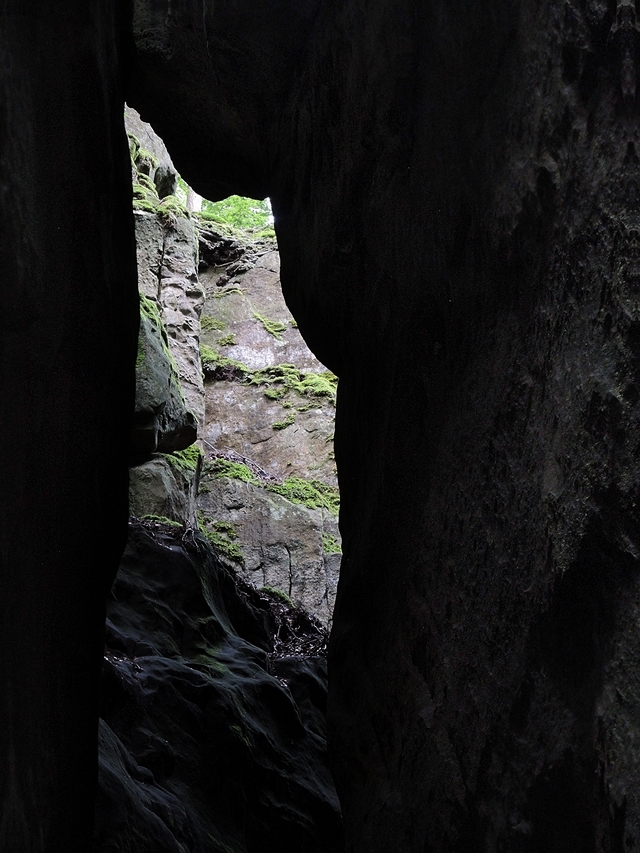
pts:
[167, 274]
[245, 319]
[283, 545]
[455, 190]
[164, 487]
[162, 421]
[201, 746]
[240, 417]
[161, 171]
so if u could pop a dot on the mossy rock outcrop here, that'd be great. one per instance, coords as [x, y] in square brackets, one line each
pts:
[162, 421]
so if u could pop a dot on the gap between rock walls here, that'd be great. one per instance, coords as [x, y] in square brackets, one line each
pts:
[214, 685]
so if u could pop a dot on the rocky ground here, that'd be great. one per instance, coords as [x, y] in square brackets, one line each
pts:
[212, 733]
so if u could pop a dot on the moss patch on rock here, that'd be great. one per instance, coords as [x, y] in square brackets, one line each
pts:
[233, 470]
[330, 544]
[310, 493]
[274, 327]
[222, 535]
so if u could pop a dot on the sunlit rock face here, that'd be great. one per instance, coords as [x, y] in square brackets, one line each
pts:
[455, 191]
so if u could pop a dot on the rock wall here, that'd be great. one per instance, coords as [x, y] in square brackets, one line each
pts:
[455, 194]
[212, 307]
[68, 325]
[270, 474]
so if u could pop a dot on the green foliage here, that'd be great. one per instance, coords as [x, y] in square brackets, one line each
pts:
[227, 340]
[222, 537]
[330, 544]
[233, 470]
[279, 595]
[273, 327]
[290, 419]
[311, 493]
[187, 459]
[288, 378]
[238, 211]
[212, 324]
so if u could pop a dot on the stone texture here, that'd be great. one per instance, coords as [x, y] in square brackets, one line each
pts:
[164, 174]
[281, 542]
[168, 275]
[455, 190]
[162, 487]
[209, 740]
[240, 417]
[161, 420]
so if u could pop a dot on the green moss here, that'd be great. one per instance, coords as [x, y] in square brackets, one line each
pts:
[288, 378]
[212, 361]
[233, 470]
[225, 527]
[273, 327]
[279, 594]
[330, 544]
[275, 393]
[222, 537]
[161, 519]
[227, 291]
[146, 183]
[227, 341]
[140, 355]
[171, 207]
[311, 493]
[208, 355]
[288, 421]
[187, 459]
[143, 155]
[212, 324]
[145, 205]
[134, 146]
[293, 324]
[149, 308]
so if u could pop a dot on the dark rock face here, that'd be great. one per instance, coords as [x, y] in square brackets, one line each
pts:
[68, 324]
[456, 198]
[213, 737]
[456, 195]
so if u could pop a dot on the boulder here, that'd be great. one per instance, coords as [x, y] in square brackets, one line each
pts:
[162, 421]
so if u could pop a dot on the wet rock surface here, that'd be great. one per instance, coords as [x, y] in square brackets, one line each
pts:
[212, 726]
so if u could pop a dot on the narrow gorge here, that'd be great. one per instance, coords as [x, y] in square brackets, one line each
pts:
[455, 190]
[213, 730]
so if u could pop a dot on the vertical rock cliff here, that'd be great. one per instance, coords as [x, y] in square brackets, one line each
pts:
[455, 198]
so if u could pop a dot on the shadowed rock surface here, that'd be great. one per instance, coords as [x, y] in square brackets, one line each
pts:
[455, 191]
[456, 194]
[213, 710]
